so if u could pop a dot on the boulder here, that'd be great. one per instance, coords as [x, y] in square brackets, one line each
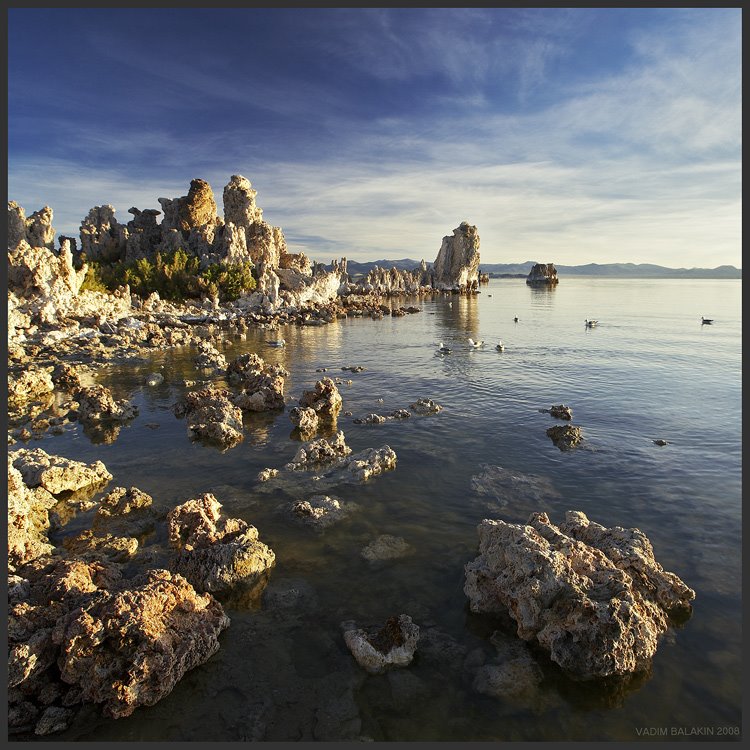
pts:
[212, 416]
[210, 358]
[305, 419]
[424, 406]
[124, 512]
[215, 554]
[262, 384]
[594, 598]
[320, 451]
[96, 404]
[392, 646]
[132, 647]
[566, 436]
[31, 383]
[55, 473]
[325, 399]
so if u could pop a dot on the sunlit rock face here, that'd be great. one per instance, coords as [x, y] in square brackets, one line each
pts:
[36, 229]
[457, 263]
[542, 274]
[265, 244]
[46, 284]
[593, 597]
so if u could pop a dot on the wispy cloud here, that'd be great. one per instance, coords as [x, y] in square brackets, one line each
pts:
[640, 162]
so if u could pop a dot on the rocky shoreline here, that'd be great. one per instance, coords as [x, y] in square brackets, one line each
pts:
[118, 613]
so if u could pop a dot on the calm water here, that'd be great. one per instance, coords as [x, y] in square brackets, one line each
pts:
[650, 370]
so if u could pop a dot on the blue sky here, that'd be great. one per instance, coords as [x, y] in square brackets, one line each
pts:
[565, 135]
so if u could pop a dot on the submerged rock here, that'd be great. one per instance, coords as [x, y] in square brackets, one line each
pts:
[320, 511]
[593, 597]
[386, 547]
[391, 646]
[513, 488]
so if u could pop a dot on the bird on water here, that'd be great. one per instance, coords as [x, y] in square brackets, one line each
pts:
[443, 349]
[276, 342]
[500, 346]
[515, 320]
[706, 321]
[476, 344]
[591, 323]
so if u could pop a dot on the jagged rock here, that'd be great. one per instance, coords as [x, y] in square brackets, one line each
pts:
[298, 262]
[131, 648]
[210, 358]
[542, 274]
[102, 236]
[30, 383]
[212, 416]
[96, 404]
[424, 406]
[320, 511]
[325, 399]
[560, 412]
[566, 436]
[66, 378]
[266, 474]
[54, 719]
[305, 419]
[370, 419]
[370, 462]
[391, 646]
[593, 597]
[87, 545]
[28, 519]
[124, 512]
[55, 473]
[145, 236]
[262, 384]
[37, 230]
[49, 283]
[386, 547]
[457, 263]
[215, 554]
[195, 211]
[320, 451]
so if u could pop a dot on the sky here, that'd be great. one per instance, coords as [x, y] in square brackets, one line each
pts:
[571, 135]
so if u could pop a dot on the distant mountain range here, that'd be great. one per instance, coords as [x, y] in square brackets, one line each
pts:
[610, 270]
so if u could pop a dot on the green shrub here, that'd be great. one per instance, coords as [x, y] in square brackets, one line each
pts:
[175, 276]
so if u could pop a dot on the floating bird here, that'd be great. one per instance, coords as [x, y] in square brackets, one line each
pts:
[450, 304]
[515, 320]
[276, 342]
[476, 344]
[591, 323]
[443, 349]
[706, 321]
[489, 295]
[660, 441]
[500, 347]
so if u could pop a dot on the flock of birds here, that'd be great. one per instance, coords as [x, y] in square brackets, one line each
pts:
[443, 349]
[589, 323]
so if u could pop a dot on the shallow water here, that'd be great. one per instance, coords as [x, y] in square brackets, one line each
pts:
[649, 370]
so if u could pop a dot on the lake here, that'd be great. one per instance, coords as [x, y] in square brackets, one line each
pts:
[648, 371]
